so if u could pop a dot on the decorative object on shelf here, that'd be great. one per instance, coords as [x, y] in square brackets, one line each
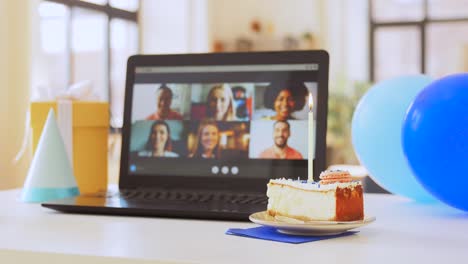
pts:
[256, 26]
[244, 45]
[376, 134]
[218, 46]
[290, 43]
[435, 139]
[50, 175]
[270, 28]
[83, 121]
[308, 41]
[263, 36]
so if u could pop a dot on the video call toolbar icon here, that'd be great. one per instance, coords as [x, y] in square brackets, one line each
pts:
[235, 170]
[225, 169]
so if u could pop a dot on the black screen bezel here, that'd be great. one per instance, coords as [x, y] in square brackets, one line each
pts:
[319, 57]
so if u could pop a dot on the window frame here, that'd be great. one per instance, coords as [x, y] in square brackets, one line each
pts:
[422, 26]
[110, 13]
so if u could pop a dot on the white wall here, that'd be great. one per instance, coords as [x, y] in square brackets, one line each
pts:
[176, 26]
[339, 26]
[230, 19]
[465, 56]
[346, 31]
[356, 41]
[180, 26]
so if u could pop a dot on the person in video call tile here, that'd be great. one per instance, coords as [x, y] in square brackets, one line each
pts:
[159, 142]
[285, 99]
[280, 149]
[207, 141]
[220, 103]
[163, 102]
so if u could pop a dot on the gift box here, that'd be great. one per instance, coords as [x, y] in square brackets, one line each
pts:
[90, 128]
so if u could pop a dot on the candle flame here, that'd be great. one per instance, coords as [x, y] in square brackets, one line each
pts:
[311, 102]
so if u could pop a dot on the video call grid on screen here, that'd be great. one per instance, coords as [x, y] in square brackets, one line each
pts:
[218, 122]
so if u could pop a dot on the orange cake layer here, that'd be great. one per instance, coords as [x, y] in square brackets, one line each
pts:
[307, 201]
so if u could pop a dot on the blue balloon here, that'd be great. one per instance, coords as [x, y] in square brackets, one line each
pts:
[376, 134]
[435, 139]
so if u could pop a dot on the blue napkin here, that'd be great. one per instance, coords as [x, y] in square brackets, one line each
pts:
[270, 233]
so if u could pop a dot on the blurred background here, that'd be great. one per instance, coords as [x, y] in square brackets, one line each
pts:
[52, 44]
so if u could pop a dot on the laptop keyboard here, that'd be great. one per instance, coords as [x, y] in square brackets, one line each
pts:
[196, 197]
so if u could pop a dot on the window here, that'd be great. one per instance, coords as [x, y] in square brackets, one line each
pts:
[417, 36]
[89, 42]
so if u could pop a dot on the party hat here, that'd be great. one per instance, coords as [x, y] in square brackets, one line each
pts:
[50, 175]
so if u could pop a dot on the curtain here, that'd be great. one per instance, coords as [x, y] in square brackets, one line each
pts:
[15, 62]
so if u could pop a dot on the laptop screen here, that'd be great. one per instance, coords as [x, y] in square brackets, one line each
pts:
[222, 120]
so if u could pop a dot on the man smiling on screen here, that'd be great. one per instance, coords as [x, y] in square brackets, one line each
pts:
[280, 149]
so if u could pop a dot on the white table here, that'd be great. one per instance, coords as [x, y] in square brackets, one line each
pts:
[404, 232]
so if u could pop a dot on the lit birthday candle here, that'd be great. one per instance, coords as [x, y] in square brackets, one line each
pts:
[310, 133]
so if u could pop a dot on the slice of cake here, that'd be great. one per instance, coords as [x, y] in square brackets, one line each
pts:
[335, 198]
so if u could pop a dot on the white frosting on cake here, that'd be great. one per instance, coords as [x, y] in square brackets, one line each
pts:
[314, 186]
[297, 203]
[304, 200]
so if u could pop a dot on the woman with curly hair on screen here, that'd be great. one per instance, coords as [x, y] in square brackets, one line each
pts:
[284, 99]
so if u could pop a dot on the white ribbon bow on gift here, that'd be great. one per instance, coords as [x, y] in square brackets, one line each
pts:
[81, 91]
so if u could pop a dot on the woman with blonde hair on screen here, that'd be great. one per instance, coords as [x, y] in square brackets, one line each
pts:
[220, 103]
[207, 141]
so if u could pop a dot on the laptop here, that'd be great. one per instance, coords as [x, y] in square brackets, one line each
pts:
[204, 133]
